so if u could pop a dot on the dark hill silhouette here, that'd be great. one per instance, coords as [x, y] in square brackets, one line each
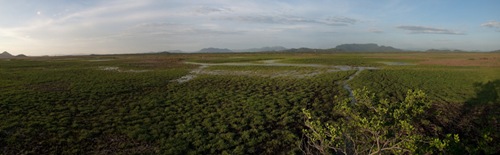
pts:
[263, 49]
[303, 49]
[215, 50]
[365, 48]
[444, 50]
[6, 55]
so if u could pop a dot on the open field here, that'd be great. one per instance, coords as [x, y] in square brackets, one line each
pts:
[245, 103]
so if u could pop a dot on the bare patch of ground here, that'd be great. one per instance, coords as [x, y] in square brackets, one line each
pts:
[193, 74]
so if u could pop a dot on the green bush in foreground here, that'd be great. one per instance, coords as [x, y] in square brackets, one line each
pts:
[373, 127]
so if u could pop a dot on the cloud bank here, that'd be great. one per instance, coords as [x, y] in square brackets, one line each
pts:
[428, 30]
[492, 24]
[125, 26]
[289, 19]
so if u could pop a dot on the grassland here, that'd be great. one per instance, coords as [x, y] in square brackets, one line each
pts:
[130, 104]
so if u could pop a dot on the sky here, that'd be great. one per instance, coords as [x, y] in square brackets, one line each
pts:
[67, 27]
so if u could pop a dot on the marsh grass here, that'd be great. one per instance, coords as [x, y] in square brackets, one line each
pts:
[70, 105]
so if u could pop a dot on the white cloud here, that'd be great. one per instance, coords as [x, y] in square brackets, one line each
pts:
[269, 19]
[172, 29]
[208, 10]
[342, 20]
[105, 19]
[492, 24]
[127, 25]
[288, 19]
[428, 30]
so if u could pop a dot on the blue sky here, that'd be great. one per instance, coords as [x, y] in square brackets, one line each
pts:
[61, 27]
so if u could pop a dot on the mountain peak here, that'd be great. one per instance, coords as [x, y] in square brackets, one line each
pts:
[6, 54]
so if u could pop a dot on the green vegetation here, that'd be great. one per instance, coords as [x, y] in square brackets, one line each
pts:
[443, 85]
[132, 104]
[242, 115]
[372, 127]
[269, 71]
[72, 106]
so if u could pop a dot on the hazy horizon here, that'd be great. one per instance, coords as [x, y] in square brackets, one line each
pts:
[62, 27]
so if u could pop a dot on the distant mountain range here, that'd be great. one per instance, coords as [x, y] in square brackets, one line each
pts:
[340, 48]
[350, 48]
[365, 48]
[225, 50]
[369, 47]
[215, 50]
[175, 51]
[263, 49]
[444, 50]
[7, 55]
